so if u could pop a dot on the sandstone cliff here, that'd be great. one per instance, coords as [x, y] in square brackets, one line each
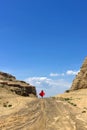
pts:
[80, 82]
[10, 83]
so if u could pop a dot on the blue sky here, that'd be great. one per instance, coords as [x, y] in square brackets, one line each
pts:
[43, 41]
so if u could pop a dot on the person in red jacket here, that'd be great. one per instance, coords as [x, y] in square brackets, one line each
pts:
[42, 93]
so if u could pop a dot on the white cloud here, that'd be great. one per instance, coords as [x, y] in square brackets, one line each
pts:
[51, 86]
[68, 72]
[71, 72]
[56, 74]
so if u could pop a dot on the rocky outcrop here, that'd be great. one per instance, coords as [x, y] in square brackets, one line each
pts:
[6, 76]
[10, 83]
[80, 82]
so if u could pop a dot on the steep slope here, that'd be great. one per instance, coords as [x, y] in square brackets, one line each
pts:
[80, 81]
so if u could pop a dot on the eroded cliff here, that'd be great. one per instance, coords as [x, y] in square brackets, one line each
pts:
[9, 82]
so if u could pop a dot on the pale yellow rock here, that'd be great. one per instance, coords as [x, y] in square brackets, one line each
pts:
[80, 81]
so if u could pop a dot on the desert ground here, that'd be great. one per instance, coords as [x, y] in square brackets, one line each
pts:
[66, 111]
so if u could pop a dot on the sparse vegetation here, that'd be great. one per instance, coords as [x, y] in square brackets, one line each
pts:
[72, 103]
[83, 111]
[67, 91]
[6, 104]
[66, 99]
[10, 105]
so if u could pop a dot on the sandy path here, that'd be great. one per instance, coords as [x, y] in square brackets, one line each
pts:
[43, 114]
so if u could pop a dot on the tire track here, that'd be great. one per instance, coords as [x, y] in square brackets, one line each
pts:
[42, 114]
[37, 114]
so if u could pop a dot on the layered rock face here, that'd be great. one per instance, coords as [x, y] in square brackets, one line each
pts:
[10, 83]
[80, 82]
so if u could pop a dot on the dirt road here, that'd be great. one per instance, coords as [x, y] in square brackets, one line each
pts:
[44, 114]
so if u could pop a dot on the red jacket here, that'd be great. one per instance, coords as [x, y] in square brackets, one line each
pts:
[42, 93]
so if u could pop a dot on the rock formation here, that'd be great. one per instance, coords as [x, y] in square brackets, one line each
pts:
[10, 83]
[80, 82]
